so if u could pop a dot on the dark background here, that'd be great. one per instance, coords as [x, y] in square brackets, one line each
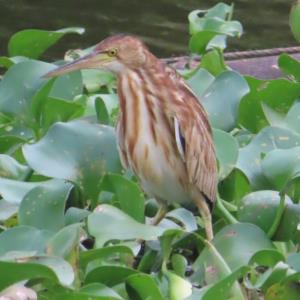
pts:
[161, 23]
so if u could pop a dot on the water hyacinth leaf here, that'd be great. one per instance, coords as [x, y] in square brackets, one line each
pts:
[227, 152]
[268, 139]
[43, 207]
[75, 215]
[278, 94]
[260, 208]
[23, 238]
[185, 217]
[179, 288]
[222, 289]
[281, 166]
[213, 62]
[58, 110]
[222, 98]
[110, 100]
[199, 41]
[64, 241]
[7, 62]
[109, 275]
[144, 286]
[267, 258]
[101, 111]
[104, 253]
[215, 20]
[129, 196]
[283, 291]
[288, 228]
[94, 80]
[82, 296]
[59, 266]
[289, 66]
[236, 243]
[235, 186]
[179, 264]
[12, 169]
[10, 143]
[98, 289]
[109, 223]
[78, 151]
[13, 191]
[7, 210]
[294, 20]
[33, 42]
[291, 119]
[200, 81]
[16, 272]
[67, 86]
[19, 85]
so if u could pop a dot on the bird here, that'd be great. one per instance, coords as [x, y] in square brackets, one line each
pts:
[163, 132]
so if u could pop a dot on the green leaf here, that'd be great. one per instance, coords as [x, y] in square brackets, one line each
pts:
[23, 238]
[267, 258]
[13, 191]
[215, 20]
[33, 42]
[103, 253]
[16, 272]
[213, 62]
[12, 169]
[260, 208]
[64, 241]
[179, 288]
[294, 20]
[98, 289]
[250, 156]
[236, 243]
[278, 291]
[77, 151]
[227, 152]
[109, 275]
[235, 186]
[129, 196]
[222, 289]
[185, 217]
[199, 41]
[222, 98]
[289, 65]
[281, 166]
[101, 110]
[200, 81]
[179, 264]
[43, 207]
[142, 286]
[109, 223]
[278, 94]
[18, 87]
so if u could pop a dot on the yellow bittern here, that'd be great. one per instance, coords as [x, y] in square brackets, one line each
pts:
[164, 135]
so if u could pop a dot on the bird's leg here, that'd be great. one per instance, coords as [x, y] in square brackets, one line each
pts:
[162, 210]
[206, 216]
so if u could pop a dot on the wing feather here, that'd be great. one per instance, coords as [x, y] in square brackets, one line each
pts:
[192, 123]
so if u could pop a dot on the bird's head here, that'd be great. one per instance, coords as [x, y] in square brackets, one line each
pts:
[115, 54]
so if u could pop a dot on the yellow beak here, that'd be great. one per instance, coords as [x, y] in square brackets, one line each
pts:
[93, 60]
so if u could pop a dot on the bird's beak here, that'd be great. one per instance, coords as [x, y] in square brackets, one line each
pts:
[93, 60]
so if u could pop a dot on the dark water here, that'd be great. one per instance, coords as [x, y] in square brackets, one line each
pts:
[161, 23]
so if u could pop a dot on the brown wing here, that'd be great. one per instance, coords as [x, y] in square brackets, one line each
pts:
[199, 152]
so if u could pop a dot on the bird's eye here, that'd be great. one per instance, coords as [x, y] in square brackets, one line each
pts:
[112, 52]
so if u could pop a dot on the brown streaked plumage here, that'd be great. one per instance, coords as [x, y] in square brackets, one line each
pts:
[163, 132]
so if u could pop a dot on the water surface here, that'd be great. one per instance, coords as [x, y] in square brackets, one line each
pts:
[161, 23]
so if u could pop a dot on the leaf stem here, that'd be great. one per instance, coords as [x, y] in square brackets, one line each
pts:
[278, 216]
[224, 212]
